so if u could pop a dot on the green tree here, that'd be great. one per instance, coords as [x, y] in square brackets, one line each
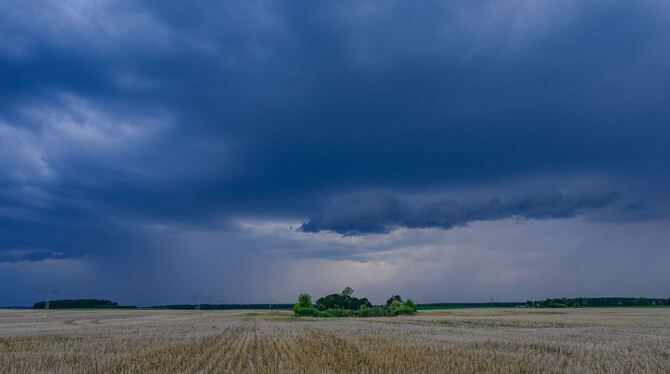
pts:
[410, 304]
[393, 298]
[339, 301]
[304, 301]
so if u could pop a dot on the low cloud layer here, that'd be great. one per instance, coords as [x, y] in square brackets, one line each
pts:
[382, 212]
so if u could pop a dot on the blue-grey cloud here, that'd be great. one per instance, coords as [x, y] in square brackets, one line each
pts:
[381, 213]
[30, 255]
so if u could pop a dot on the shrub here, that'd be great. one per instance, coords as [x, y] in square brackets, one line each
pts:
[304, 301]
[324, 314]
[303, 312]
[370, 312]
[410, 304]
[395, 304]
[340, 312]
[406, 310]
[392, 299]
[402, 310]
[392, 312]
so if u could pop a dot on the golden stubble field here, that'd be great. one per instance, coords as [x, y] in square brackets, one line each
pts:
[461, 341]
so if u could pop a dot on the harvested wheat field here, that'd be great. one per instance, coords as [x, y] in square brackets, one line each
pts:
[464, 341]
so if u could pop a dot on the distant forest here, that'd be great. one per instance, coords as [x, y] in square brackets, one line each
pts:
[597, 302]
[78, 304]
[332, 299]
[430, 306]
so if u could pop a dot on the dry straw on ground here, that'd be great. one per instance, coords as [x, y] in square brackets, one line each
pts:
[461, 341]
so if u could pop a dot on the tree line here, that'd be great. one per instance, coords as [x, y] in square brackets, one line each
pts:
[597, 302]
[78, 304]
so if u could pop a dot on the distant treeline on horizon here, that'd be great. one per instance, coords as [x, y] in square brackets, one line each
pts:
[548, 303]
[505, 304]
[80, 304]
[597, 302]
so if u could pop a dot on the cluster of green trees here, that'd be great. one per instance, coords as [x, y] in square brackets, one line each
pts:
[343, 300]
[597, 302]
[345, 305]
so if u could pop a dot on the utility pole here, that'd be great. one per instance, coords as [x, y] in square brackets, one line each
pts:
[49, 293]
[198, 298]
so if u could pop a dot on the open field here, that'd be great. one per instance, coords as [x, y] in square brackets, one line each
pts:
[635, 340]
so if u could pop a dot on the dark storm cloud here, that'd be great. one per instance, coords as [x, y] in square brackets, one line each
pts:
[31, 255]
[197, 113]
[381, 213]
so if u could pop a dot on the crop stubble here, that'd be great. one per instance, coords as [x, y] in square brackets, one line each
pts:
[467, 341]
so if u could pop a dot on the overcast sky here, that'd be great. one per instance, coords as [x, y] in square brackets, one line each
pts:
[250, 150]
